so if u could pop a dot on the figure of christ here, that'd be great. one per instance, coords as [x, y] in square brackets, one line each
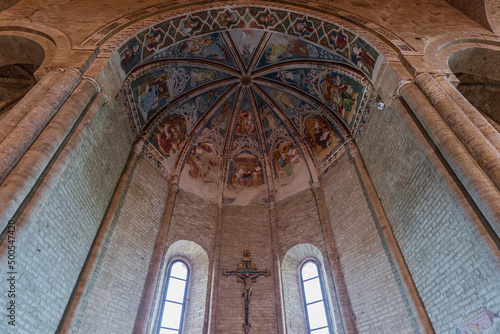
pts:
[246, 274]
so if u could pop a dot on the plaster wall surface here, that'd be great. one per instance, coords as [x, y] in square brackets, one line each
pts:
[377, 301]
[447, 264]
[52, 252]
[115, 288]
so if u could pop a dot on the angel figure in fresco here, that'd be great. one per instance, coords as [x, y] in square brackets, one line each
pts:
[267, 115]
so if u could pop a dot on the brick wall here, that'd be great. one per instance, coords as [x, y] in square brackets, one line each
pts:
[115, 288]
[51, 253]
[246, 228]
[374, 292]
[446, 262]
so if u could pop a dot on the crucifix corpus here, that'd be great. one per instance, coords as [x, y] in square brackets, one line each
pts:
[246, 273]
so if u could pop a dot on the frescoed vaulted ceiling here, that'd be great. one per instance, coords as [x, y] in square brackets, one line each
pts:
[246, 98]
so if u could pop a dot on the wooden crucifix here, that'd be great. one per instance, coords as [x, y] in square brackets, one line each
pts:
[246, 273]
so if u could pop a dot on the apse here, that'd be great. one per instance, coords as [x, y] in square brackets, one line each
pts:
[239, 104]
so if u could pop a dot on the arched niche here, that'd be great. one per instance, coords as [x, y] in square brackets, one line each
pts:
[20, 58]
[477, 71]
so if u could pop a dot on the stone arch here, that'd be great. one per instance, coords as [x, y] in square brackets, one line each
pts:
[295, 317]
[197, 260]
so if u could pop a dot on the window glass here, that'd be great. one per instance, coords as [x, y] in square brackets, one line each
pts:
[174, 302]
[314, 300]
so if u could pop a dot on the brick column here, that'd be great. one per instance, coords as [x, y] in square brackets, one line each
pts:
[476, 143]
[35, 94]
[411, 291]
[25, 174]
[216, 271]
[17, 142]
[347, 319]
[481, 188]
[470, 111]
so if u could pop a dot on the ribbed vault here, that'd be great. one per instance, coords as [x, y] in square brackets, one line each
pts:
[237, 109]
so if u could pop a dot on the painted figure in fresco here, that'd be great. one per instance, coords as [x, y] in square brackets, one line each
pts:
[171, 135]
[202, 75]
[130, 55]
[155, 91]
[245, 123]
[283, 100]
[267, 19]
[245, 44]
[363, 59]
[320, 136]
[304, 27]
[337, 92]
[203, 162]
[339, 40]
[153, 39]
[249, 177]
[190, 25]
[267, 115]
[284, 157]
[220, 119]
[203, 101]
[279, 51]
[295, 77]
[205, 47]
[227, 19]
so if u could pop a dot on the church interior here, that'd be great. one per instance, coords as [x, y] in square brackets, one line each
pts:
[280, 166]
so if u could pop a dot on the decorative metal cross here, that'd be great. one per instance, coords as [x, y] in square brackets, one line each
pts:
[246, 273]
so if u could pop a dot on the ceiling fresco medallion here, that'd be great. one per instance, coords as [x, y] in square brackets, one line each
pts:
[215, 106]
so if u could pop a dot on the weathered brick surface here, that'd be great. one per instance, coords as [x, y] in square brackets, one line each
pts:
[116, 285]
[246, 228]
[450, 271]
[375, 296]
[51, 254]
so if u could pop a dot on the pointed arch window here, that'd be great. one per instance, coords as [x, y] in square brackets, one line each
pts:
[314, 299]
[174, 300]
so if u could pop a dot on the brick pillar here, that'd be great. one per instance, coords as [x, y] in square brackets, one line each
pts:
[17, 142]
[347, 319]
[481, 188]
[470, 111]
[476, 143]
[35, 94]
[24, 175]
[216, 271]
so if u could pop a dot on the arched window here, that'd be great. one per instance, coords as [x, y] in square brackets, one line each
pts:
[174, 300]
[314, 299]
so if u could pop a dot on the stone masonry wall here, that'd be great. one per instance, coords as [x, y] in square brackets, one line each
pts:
[446, 262]
[375, 296]
[51, 253]
[115, 289]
